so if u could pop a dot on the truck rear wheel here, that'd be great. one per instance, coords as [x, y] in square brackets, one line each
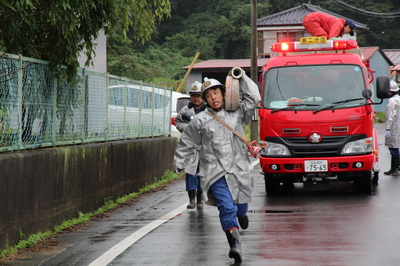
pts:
[272, 185]
[365, 183]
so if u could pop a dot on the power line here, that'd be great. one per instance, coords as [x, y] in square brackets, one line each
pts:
[369, 15]
[361, 11]
[383, 32]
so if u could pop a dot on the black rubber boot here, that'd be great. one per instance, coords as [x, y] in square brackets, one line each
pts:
[244, 222]
[234, 242]
[393, 166]
[200, 203]
[192, 199]
[396, 172]
[396, 164]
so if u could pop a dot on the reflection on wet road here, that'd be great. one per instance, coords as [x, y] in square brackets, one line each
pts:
[335, 227]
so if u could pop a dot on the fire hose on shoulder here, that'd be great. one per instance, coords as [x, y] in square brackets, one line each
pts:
[232, 103]
[232, 89]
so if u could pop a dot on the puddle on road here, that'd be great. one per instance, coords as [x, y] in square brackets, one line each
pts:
[270, 211]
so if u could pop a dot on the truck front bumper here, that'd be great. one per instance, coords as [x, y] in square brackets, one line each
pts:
[335, 164]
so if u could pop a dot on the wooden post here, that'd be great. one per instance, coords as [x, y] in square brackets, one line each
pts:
[188, 72]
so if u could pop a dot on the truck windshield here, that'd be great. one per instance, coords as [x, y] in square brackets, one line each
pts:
[313, 87]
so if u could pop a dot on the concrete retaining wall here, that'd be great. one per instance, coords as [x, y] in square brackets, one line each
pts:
[41, 188]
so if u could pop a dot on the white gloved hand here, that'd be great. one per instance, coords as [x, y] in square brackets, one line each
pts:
[178, 170]
[387, 133]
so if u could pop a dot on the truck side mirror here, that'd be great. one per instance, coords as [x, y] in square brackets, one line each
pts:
[382, 87]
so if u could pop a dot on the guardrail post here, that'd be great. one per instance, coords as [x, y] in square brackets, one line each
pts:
[106, 130]
[153, 126]
[83, 106]
[20, 96]
[54, 116]
[125, 105]
[140, 109]
[165, 109]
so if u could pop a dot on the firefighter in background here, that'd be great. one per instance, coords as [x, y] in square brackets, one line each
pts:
[185, 115]
[392, 125]
[322, 24]
[225, 168]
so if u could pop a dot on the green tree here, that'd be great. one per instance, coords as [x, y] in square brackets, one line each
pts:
[221, 30]
[58, 31]
[216, 29]
[155, 64]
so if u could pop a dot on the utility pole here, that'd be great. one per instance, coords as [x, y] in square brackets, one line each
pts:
[254, 69]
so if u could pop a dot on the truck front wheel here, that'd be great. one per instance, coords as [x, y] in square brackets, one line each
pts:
[375, 179]
[365, 182]
[272, 185]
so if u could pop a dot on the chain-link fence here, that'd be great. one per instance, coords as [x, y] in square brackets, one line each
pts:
[39, 110]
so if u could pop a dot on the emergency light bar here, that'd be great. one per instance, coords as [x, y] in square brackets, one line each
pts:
[287, 47]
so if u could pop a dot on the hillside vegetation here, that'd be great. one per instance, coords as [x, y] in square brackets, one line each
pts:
[221, 30]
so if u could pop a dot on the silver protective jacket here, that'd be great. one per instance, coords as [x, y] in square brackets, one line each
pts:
[180, 123]
[393, 122]
[217, 151]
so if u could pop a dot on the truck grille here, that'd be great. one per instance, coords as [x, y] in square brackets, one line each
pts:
[315, 152]
[304, 140]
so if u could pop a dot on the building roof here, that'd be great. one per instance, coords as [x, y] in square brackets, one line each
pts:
[370, 51]
[294, 17]
[393, 54]
[226, 64]
[367, 52]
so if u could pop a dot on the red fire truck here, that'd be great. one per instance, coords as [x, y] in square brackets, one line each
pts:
[317, 116]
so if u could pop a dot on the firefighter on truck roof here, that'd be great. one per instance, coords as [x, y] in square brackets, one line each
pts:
[322, 24]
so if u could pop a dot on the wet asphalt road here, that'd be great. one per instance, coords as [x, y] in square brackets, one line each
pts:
[335, 227]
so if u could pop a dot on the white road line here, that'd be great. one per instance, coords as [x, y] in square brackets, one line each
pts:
[116, 250]
[255, 162]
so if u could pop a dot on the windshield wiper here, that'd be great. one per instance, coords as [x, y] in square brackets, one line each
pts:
[337, 103]
[294, 105]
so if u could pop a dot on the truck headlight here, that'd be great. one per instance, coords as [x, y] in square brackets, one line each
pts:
[274, 149]
[361, 146]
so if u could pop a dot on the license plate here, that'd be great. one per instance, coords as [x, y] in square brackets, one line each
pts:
[316, 166]
[307, 40]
